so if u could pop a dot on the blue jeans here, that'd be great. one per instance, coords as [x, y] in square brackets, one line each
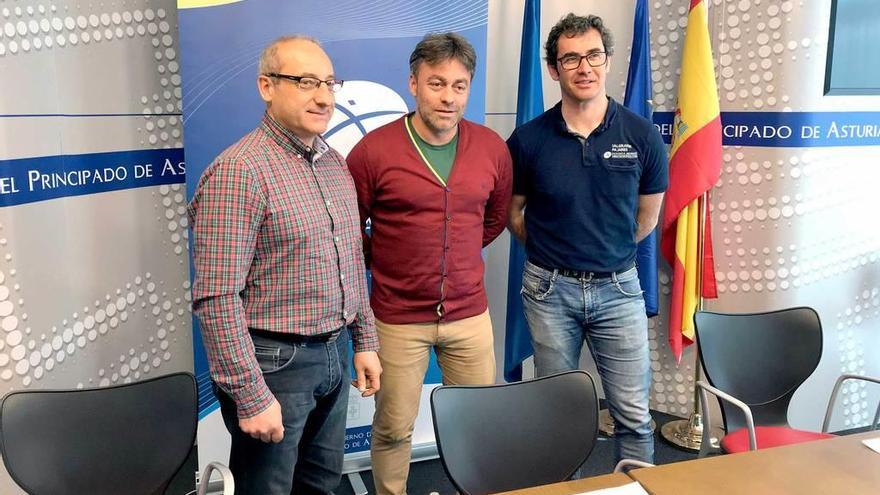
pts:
[609, 313]
[310, 381]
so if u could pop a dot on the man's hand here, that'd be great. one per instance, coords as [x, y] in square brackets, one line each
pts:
[265, 426]
[368, 369]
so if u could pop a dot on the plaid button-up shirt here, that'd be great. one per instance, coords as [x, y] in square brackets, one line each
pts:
[276, 247]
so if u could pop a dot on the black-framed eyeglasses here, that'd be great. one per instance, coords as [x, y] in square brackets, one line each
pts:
[573, 61]
[308, 83]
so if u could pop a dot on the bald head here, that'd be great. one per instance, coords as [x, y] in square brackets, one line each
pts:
[270, 60]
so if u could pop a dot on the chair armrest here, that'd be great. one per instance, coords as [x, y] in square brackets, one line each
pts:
[225, 474]
[747, 413]
[630, 463]
[842, 378]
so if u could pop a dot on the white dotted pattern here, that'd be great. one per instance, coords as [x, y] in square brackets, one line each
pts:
[749, 51]
[24, 32]
[136, 363]
[766, 198]
[828, 195]
[672, 386]
[31, 357]
[854, 394]
[174, 219]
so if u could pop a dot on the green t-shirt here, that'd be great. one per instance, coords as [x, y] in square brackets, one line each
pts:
[440, 157]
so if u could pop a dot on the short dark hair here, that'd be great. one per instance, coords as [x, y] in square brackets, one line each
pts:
[573, 25]
[439, 47]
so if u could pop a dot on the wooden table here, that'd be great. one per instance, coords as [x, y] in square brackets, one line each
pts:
[576, 486]
[838, 466]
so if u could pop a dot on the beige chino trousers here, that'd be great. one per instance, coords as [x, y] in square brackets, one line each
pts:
[466, 355]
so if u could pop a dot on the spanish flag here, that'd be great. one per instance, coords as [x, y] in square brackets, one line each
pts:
[694, 167]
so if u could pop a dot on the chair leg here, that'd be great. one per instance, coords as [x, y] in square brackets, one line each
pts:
[706, 441]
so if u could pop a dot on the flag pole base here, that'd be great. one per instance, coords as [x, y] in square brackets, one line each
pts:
[606, 423]
[687, 434]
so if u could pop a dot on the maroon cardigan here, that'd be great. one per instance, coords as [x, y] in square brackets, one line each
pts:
[424, 249]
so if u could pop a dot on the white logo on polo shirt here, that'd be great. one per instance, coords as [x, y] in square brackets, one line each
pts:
[623, 151]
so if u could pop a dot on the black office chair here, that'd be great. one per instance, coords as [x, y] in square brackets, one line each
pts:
[127, 439]
[754, 363]
[496, 438]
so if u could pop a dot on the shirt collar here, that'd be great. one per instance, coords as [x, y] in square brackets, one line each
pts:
[610, 114]
[290, 142]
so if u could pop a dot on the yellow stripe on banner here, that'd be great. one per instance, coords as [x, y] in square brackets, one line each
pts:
[697, 91]
[197, 4]
[686, 236]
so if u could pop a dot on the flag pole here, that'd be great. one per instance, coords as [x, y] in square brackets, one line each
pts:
[687, 434]
[698, 117]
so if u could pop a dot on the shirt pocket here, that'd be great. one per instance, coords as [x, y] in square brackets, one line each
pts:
[621, 164]
[622, 177]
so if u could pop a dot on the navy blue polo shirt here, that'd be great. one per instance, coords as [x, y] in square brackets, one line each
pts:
[582, 193]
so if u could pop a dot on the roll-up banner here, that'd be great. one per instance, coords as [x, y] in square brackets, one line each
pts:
[369, 45]
[94, 271]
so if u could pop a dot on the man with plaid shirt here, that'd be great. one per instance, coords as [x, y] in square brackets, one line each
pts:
[279, 282]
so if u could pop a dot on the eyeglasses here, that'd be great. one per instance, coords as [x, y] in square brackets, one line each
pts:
[307, 83]
[572, 61]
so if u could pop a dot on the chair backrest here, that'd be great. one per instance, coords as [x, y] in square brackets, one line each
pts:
[496, 438]
[128, 439]
[759, 358]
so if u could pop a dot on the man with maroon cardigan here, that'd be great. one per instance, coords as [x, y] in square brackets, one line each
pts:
[436, 189]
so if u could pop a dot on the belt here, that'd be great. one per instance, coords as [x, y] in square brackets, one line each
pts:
[294, 338]
[565, 272]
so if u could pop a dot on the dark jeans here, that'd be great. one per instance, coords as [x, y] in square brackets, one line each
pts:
[310, 382]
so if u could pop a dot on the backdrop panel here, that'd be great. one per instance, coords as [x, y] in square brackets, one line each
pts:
[94, 276]
[369, 44]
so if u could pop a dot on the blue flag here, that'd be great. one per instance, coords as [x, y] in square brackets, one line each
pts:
[529, 104]
[638, 99]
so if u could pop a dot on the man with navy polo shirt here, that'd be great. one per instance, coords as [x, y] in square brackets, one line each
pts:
[589, 178]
